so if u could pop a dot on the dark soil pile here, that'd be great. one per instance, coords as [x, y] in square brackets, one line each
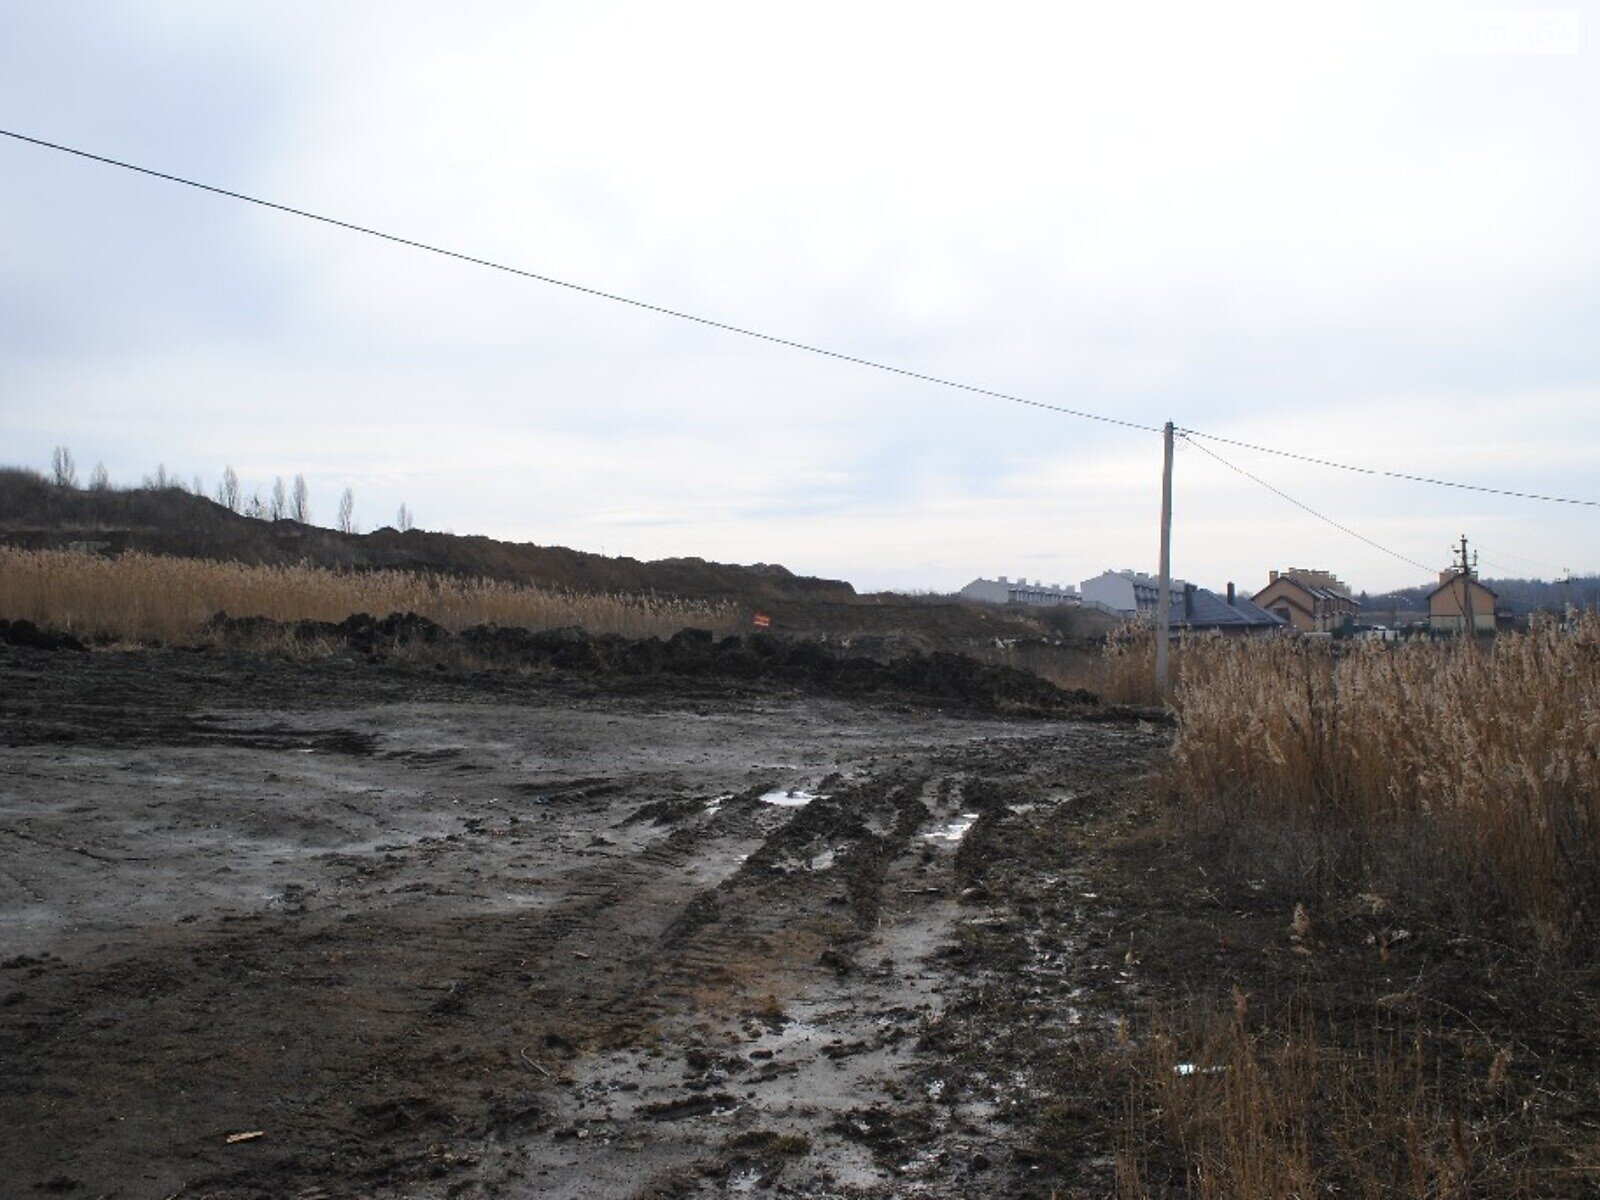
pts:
[26, 633]
[939, 678]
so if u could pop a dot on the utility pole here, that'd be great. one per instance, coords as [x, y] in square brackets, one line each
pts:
[1164, 586]
[1469, 627]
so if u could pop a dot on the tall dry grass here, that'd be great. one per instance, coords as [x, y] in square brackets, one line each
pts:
[143, 597]
[1120, 672]
[1473, 770]
[1456, 784]
[1395, 1113]
[1128, 666]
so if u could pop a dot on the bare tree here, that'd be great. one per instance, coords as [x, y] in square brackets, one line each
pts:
[228, 490]
[347, 512]
[300, 506]
[278, 507]
[99, 478]
[403, 519]
[199, 485]
[254, 508]
[160, 481]
[65, 470]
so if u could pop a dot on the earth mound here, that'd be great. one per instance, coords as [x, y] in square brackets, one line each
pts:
[937, 677]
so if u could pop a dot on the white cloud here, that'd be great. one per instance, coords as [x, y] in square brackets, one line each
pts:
[1293, 226]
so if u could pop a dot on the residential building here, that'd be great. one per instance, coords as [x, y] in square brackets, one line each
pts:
[1129, 593]
[1203, 611]
[1309, 601]
[1018, 591]
[1456, 595]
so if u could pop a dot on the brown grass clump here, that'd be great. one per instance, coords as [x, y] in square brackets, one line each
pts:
[1471, 773]
[143, 597]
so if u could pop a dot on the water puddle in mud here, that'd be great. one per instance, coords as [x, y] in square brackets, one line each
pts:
[954, 830]
[790, 797]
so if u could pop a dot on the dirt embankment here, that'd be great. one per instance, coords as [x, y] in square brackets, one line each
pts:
[936, 678]
[35, 514]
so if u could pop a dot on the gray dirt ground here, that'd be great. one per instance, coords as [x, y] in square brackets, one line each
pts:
[434, 935]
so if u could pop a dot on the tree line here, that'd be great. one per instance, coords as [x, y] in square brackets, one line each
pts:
[1520, 596]
[283, 502]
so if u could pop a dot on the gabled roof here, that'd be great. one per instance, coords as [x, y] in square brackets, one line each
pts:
[1315, 591]
[1204, 609]
[1454, 579]
[1258, 615]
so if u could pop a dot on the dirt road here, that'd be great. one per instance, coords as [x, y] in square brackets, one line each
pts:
[339, 928]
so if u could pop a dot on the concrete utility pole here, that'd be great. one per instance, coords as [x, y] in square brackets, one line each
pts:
[1164, 586]
[1469, 628]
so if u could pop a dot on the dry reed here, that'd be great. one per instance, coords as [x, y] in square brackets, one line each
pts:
[1121, 672]
[1475, 767]
[1254, 1114]
[142, 598]
[1458, 782]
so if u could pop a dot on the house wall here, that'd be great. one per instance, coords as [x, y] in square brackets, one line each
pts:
[1129, 592]
[988, 591]
[1286, 596]
[1110, 589]
[1287, 599]
[1038, 594]
[1445, 607]
[1017, 591]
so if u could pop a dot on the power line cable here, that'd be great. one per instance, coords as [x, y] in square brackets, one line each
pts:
[1529, 562]
[1279, 492]
[1339, 466]
[773, 339]
[588, 291]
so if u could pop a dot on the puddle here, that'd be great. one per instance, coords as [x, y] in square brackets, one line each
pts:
[790, 797]
[792, 1032]
[714, 805]
[954, 830]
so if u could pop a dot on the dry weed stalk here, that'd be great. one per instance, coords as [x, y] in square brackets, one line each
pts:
[143, 597]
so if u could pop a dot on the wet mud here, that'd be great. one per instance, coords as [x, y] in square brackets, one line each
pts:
[361, 925]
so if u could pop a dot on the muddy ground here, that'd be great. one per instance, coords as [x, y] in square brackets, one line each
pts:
[346, 927]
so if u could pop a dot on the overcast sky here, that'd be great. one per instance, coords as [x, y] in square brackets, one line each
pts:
[1359, 231]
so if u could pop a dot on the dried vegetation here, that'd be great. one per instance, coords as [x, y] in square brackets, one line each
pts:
[1461, 775]
[1426, 819]
[142, 598]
